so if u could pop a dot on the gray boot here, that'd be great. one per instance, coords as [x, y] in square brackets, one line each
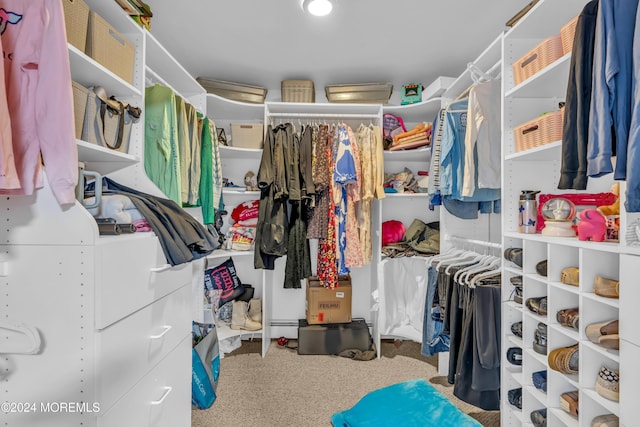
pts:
[240, 317]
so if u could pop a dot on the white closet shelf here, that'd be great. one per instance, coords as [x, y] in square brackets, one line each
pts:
[545, 19]
[103, 160]
[613, 302]
[225, 332]
[547, 83]
[422, 154]
[538, 394]
[571, 333]
[566, 241]
[222, 253]
[543, 153]
[566, 288]
[239, 192]
[610, 405]
[424, 111]
[225, 110]
[564, 417]
[613, 355]
[88, 72]
[240, 153]
[416, 195]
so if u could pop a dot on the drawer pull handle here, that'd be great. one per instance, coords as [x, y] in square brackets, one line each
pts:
[167, 390]
[167, 328]
[160, 269]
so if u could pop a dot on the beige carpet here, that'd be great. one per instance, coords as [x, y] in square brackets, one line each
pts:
[287, 389]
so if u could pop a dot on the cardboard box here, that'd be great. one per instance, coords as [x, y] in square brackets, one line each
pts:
[328, 305]
[247, 135]
[333, 338]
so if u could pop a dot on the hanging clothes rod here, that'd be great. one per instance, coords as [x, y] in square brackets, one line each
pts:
[323, 115]
[458, 239]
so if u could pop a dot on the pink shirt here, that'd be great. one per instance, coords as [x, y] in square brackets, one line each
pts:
[38, 85]
[8, 174]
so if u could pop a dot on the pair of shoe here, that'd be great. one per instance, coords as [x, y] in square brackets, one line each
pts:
[569, 402]
[540, 380]
[569, 317]
[247, 315]
[540, 339]
[539, 417]
[514, 255]
[570, 276]
[608, 384]
[604, 334]
[516, 281]
[607, 420]
[514, 355]
[516, 329]
[565, 359]
[608, 288]
[537, 305]
[515, 397]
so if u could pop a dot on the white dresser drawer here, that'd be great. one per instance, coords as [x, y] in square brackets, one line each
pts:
[128, 349]
[161, 398]
[131, 273]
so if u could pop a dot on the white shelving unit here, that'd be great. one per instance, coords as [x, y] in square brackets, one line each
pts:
[539, 169]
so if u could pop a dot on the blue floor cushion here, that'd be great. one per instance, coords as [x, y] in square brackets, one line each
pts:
[408, 404]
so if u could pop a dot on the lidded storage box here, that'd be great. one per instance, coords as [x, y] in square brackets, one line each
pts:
[234, 91]
[298, 91]
[363, 93]
[247, 135]
[539, 131]
[110, 48]
[538, 58]
[76, 21]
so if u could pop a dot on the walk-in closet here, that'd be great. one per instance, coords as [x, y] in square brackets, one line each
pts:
[319, 213]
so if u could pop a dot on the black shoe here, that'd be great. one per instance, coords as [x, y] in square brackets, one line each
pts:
[515, 397]
[516, 328]
[539, 417]
[514, 355]
[540, 339]
[541, 268]
[514, 255]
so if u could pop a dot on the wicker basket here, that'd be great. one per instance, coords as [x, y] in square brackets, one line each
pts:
[567, 34]
[80, 94]
[298, 91]
[539, 131]
[110, 48]
[76, 20]
[538, 58]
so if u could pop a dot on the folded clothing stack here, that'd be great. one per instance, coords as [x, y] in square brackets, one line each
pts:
[419, 136]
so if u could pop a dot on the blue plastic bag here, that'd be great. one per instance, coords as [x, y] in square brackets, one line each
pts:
[205, 366]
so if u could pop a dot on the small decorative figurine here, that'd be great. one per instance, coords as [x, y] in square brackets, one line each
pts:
[250, 181]
[592, 226]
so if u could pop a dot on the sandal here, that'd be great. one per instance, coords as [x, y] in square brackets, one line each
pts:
[565, 359]
[569, 317]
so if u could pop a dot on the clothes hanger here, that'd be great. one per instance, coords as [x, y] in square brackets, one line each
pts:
[450, 252]
[462, 254]
[479, 266]
[491, 266]
[462, 262]
[491, 273]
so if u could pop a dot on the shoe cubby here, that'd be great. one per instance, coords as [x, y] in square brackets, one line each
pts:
[561, 257]
[532, 400]
[533, 253]
[563, 299]
[595, 263]
[629, 297]
[592, 360]
[556, 416]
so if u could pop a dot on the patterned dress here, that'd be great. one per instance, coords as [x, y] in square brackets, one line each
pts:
[327, 262]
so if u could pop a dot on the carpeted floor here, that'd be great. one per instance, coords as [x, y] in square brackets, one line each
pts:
[287, 389]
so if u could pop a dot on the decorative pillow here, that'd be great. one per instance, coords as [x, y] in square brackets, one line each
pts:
[223, 277]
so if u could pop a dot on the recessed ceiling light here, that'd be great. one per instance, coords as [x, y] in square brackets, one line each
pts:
[317, 7]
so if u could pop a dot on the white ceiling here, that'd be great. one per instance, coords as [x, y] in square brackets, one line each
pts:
[261, 42]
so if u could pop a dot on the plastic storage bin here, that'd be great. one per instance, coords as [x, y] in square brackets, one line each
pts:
[539, 131]
[537, 59]
[234, 91]
[363, 93]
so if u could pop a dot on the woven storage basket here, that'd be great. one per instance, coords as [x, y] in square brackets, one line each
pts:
[298, 91]
[80, 94]
[536, 59]
[539, 131]
[567, 34]
[76, 20]
[110, 48]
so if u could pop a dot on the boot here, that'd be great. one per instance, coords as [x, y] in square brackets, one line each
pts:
[240, 318]
[255, 310]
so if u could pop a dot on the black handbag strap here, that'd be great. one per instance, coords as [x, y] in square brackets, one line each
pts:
[120, 112]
